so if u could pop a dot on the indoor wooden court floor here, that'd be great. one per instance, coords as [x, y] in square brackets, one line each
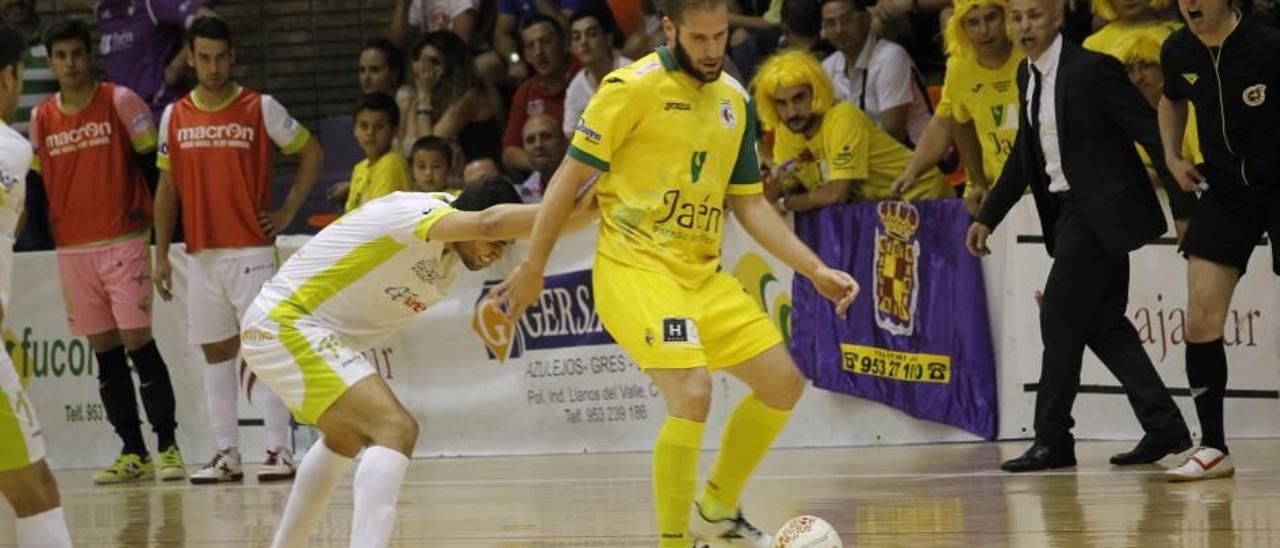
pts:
[913, 496]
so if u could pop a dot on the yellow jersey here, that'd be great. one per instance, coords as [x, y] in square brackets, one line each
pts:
[370, 182]
[671, 149]
[989, 99]
[848, 145]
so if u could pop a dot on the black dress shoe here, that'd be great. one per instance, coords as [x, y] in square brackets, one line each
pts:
[1152, 448]
[1040, 457]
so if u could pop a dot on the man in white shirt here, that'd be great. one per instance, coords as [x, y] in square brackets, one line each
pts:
[593, 35]
[1080, 116]
[881, 78]
[412, 17]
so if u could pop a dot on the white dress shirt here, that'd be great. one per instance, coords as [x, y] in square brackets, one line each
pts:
[1047, 122]
[882, 77]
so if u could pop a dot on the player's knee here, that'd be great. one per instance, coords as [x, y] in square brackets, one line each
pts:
[691, 399]
[1204, 325]
[397, 431]
[135, 338]
[787, 389]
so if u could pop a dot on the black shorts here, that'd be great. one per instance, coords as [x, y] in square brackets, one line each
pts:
[1228, 224]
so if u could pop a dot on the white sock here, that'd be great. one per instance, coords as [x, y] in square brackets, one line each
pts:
[377, 487]
[47, 529]
[275, 415]
[222, 390]
[318, 474]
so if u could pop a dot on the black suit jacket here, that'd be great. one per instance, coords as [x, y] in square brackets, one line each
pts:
[1100, 115]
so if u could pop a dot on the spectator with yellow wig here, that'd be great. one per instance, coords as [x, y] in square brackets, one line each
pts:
[1139, 50]
[979, 106]
[1123, 16]
[827, 151]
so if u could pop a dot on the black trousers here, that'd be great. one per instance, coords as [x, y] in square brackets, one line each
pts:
[1084, 305]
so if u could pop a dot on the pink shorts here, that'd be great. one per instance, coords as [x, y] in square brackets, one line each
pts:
[106, 287]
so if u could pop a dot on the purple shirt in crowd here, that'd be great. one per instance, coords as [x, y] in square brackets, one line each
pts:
[139, 38]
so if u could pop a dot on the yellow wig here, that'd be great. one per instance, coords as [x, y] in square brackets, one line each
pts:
[1141, 45]
[1104, 9]
[954, 39]
[790, 68]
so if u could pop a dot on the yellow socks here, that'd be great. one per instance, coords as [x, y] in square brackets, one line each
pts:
[675, 476]
[747, 438]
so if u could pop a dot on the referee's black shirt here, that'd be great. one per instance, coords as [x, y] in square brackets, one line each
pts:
[1236, 93]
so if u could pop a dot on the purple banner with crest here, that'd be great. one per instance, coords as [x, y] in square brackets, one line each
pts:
[918, 338]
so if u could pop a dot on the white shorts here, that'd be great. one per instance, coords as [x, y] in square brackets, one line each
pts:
[221, 285]
[21, 442]
[306, 363]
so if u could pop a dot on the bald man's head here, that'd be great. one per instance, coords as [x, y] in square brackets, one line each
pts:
[545, 143]
[1034, 24]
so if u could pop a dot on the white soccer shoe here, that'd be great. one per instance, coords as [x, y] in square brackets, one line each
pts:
[278, 466]
[223, 467]
[1205, 463]
[735, 531]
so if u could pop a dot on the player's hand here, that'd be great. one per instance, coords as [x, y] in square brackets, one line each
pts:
[976, 239]
[902, 185]
[162, 277]
[838, 287]
[976, 199]
[272, 223]
[1185, 172]
[521, 289]
[337, 194]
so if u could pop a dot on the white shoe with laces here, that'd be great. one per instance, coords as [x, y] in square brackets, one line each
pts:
[1205, 463]
[735, 531]
[222, 468]
[278, 466]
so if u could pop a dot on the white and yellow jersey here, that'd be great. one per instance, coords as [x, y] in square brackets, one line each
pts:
[368, 274]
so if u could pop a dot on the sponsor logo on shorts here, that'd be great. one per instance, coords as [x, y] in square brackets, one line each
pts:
[679, 330]
[408, 298]
[257, 334]
[564, 316]
[252, 269]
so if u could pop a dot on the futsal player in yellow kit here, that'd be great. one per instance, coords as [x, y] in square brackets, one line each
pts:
[673, 140]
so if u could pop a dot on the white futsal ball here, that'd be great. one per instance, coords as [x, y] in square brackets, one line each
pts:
[807, 532]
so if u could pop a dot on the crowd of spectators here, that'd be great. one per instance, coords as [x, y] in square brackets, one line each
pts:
[467, 88]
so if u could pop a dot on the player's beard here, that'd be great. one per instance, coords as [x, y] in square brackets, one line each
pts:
[686, 63]
[801, 125]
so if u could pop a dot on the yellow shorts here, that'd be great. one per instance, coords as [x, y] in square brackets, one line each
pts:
[662, 324]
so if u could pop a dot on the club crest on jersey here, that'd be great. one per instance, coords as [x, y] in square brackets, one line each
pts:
[727, 116]
[1255, 95]
[897, 253]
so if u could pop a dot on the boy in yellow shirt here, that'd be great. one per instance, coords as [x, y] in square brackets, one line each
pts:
[383, 170]
[432, 161]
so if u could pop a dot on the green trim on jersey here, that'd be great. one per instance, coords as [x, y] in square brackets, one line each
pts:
[747, 169]
[587, 158]
[668, 60]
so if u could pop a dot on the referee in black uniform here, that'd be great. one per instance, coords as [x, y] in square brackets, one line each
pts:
[1224, 64]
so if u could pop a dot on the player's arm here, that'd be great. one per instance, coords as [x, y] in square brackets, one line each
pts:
[970, 148]
[894, 122]
[768, 229]
[292, 138]
[166, 218]
[311, 162]
[930, 150]
[1172, 116]
[507, 221]
[834, 192]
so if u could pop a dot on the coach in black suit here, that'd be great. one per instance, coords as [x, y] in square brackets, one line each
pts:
[1080, 118]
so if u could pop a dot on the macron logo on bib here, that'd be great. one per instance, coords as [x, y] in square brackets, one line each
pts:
[219, 136]
[85, 136]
